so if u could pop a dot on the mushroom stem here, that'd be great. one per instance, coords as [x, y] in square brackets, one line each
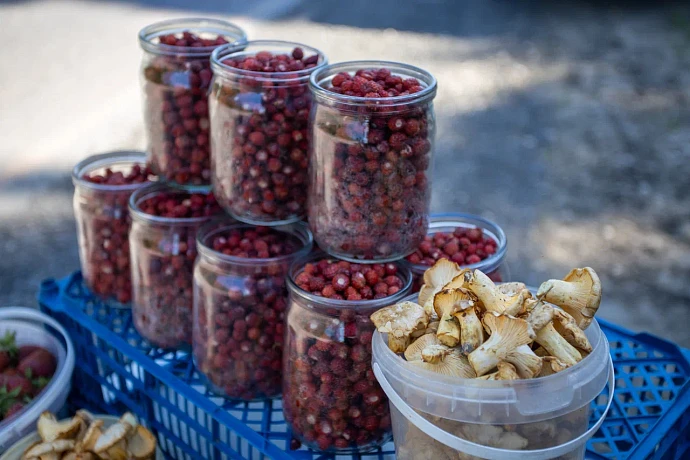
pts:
[471, 330]
[507, 333]
[448, 331]
[549, 338]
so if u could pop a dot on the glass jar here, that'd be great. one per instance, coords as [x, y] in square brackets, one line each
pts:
[239, 306]
[331, 398]
[100, 209]
[370, 180]
[446, 223]
[175, 78]
[163, 251]
[259, 121]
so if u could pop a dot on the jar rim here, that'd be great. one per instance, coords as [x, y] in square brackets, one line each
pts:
[224, 223]
[152, 190]
[230, 51]
[459, 219]
[103, 160]
[403, 270]
[217, 26]
[326, 73]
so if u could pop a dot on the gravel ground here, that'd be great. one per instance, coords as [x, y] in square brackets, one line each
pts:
[568, 123]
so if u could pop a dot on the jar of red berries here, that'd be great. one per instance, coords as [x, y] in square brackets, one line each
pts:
[162, 242]
[372, 135]
[240, 301]
[260, 105]
[470, 241]
[331, 399]
[175, 78]
[102, 187]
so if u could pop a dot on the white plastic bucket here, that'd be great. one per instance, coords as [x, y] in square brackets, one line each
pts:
[35, 328]
[438, 417]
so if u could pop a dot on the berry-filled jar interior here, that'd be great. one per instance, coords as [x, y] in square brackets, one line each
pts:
[165, 222]
[260, 105]
[331, 398]
[371, 159]
[240, 302]
[175, 78]
[103, 185]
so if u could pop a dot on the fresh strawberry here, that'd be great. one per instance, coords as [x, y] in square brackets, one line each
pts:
[8, 349]
[40, 363]
[26, 350]
[14, 409]
[13, 382]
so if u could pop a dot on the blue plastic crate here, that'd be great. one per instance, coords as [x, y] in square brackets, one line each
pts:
[117, 370]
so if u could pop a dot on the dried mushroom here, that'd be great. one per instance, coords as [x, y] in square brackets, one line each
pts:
[82, 438]
[579, 294]
[49, 429]
[447, 303]
[507, 333]
[49, 447]
[399, 321]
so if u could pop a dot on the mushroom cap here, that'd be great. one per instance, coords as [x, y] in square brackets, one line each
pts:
[414, 350]
[539, 314]
[142, 444]
[50, 429]
[453, 364]
[435, 353]
[505, 371]
[579, 294]
[45, 448]
[450, 301]
[431, 328]
[112, 436]
[551, 365]
[437, 276]
[511, 289]
[94, 432]
[569, 330]
[508, 300]
[400, 319]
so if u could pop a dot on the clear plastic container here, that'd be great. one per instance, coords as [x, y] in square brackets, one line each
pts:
[371, 164]
[331, 399]
[103, 225]
[260, 143]
[239, 308]
[163, 251]
[175, 82]
[35, 328]
[439, 417]
[494, 265]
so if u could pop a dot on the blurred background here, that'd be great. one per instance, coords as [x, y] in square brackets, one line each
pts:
[566, 122]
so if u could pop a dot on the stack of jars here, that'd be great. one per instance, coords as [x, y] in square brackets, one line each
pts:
[249, 141]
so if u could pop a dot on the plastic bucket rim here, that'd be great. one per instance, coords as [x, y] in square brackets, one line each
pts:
[60, 382]
[496, 392]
